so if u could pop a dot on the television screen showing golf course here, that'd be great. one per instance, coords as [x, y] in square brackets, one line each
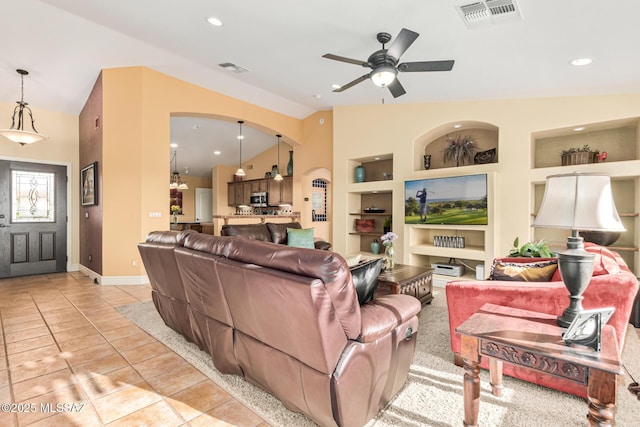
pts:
[459, 200]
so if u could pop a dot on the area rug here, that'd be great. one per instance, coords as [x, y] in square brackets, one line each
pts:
[432, 395]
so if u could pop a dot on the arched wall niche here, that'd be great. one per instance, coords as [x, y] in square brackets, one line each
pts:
[433, 142]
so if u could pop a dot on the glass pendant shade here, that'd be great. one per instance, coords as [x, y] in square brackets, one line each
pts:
[175, 182]
[278, 177]
[383, 76]
[240, 171]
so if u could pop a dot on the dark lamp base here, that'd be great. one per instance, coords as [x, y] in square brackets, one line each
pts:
[576, 268]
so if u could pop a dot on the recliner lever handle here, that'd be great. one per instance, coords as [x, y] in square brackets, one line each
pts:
[408, 333]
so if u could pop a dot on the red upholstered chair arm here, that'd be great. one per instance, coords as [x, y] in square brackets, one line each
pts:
[384, 314]
[610, 290]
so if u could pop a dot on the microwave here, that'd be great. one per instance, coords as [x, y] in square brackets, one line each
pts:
[259, 199]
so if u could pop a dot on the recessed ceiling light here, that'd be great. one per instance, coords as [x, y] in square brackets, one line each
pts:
[173, 145]
[578, 129]
[217, 153]
[376, 158]
[336, 86]
[457, 126]
[214, 21]
[581, 61]
[317, 96]
[195, 127]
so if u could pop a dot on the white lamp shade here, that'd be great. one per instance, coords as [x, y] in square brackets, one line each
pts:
[278, 177]
[22, 136]
[240, 172]
[578, 201]
[383, 76]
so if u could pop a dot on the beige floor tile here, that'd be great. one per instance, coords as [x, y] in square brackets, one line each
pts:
[10, 329]
[172, 382]
[132, 341]
[198, 399]
[144, 352]
[235, 413]
[76, 333]
[26, 334]
[101, 365]
[116, 334]
[21, 319]
[4, 379]
[7, 419]
[29, 344]
[32, 356]
[36, 369]
[157, 415]
[109, 325]
[80, 343]
[65, 326]
[102, 384]
[67, 395]
[160, 365]
[124, 402]
[43, 384]
[85, 417]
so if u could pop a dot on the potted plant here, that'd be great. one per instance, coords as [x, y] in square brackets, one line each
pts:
[536, 249]
[387, 225]
[459, 149]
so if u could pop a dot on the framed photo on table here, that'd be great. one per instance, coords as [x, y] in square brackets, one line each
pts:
[89, 185]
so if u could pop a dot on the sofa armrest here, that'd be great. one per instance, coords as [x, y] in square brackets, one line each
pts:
[384, 314]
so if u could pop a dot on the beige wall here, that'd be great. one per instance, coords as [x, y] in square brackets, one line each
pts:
[60, 148]
[138, 103]
[363, 131]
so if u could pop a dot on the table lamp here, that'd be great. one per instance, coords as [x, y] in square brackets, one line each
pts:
[577, 201]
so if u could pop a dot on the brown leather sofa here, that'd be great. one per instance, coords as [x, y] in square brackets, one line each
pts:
[267, 232]
[286, 319]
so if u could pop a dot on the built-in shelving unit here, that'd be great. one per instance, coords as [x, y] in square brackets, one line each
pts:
[620, 139]
[375, 191]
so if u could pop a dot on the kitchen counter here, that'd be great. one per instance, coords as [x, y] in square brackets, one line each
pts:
[293, 216]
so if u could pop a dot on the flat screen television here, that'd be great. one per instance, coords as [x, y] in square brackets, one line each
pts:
[455, 200]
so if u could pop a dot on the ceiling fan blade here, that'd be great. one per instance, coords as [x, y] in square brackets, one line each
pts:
[396, 88]
[403, 40]
[347, 60]
[408, 67]
[352, 83]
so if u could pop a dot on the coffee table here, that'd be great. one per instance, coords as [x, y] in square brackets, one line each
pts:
[407, 279]
[533, 340]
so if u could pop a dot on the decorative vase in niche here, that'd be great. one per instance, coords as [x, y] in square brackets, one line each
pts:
[290, 164]
[388, 257]
[359, 173]
[375, 247]
[426, 161]
[175, 218]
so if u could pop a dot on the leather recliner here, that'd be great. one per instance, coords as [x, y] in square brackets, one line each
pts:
[288, 320]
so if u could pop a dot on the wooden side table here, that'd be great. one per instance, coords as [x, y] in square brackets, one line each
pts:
[407, 279]
[533, 340]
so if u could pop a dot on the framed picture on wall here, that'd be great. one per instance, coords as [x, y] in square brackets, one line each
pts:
[89, 185]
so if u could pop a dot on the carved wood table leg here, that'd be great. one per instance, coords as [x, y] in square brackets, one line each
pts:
[495, 370]
[601, 392]
[471, 385]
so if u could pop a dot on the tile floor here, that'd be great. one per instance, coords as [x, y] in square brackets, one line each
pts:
[68, 358]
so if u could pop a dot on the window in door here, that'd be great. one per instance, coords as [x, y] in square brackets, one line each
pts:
[32, 196]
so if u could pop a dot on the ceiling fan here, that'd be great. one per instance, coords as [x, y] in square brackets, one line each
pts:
[384, 63]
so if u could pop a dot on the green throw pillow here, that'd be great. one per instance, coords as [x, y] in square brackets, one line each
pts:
[300, 237]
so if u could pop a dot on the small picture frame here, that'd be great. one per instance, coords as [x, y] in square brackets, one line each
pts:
[89, 185]
[586, 327]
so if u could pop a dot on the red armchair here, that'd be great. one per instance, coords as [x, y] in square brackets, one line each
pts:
[613, 285]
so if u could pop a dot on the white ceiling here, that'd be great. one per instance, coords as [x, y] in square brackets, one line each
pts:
[65, 43]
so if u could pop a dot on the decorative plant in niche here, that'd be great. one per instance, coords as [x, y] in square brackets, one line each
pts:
[537, 249]
[459, 149]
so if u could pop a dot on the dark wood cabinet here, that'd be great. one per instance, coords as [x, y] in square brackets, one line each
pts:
[281, 192]
[239, 193]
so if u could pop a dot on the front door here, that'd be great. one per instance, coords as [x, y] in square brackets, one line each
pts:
[33, 218]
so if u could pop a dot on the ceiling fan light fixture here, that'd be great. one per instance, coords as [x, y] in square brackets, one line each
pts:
[383, 76]
[16, 132]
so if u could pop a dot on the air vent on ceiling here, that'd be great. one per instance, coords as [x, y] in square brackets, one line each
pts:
[233, 67]
[488, 12]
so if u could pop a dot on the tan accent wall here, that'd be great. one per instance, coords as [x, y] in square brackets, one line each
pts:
[189, 196]
[60, 148]
[364, 131]
[138, 103]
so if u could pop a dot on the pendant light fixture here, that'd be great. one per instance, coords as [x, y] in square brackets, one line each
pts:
[176, 183]
[17, 133]
[278, 177]
[240, 171]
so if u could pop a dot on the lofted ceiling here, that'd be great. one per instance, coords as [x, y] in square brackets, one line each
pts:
[65, 43]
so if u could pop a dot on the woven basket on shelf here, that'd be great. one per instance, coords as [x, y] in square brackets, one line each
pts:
[579, 158]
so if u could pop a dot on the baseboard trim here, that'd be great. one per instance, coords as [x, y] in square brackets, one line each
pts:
[113, 280]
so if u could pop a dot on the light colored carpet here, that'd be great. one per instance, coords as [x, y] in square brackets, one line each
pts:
[432, 395]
